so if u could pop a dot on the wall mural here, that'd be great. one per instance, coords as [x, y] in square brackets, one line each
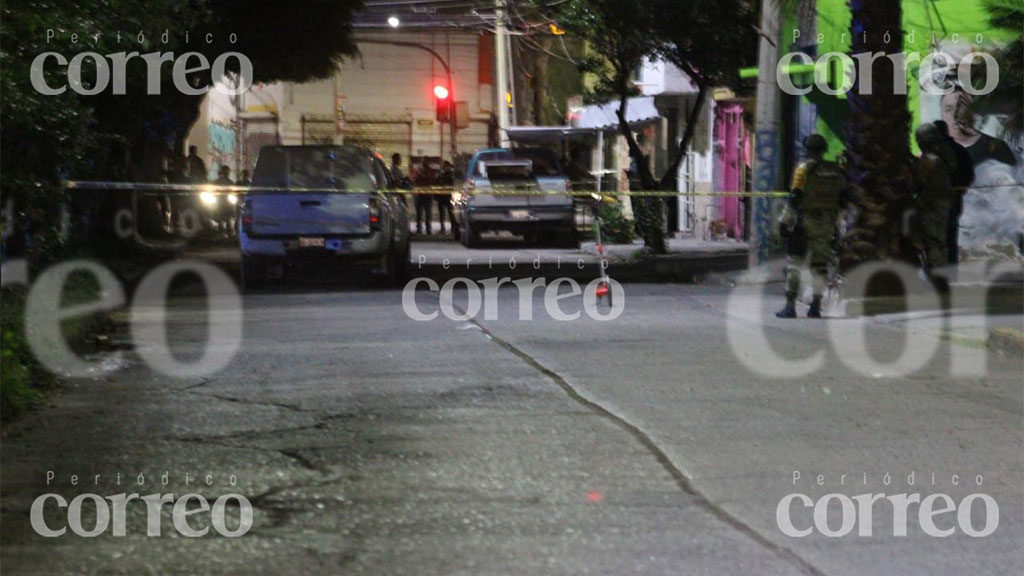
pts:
[992, 224]
[222, 148]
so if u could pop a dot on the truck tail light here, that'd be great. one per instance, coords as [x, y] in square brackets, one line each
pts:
[374, 213]
[245, 213]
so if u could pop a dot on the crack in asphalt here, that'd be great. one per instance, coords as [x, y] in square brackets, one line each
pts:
[652, 447]
[202, 382]
[296, 454]
[279, 512]
[269, 403]
[291, 453]
[320, 425]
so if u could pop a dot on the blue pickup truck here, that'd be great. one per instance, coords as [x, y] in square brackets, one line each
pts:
[322, 207]
[522, 191]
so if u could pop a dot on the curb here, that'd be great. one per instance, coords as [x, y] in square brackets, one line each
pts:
[992, 299]
[877, 306]
[679, 268]
[1007, 340]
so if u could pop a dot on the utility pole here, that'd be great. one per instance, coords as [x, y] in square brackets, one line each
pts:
[805, 111]
[501, 68]
[768, 133]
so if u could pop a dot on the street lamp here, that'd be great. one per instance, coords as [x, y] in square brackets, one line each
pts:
[393, 21]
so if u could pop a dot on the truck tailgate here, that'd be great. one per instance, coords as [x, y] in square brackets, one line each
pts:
[549, 188]
[310, 214]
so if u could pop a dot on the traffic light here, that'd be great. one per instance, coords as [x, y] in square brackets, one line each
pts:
[442, 102]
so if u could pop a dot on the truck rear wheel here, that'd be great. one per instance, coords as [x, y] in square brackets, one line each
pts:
[569, 239]
[254, 273]
[398, 265]
[470, 236]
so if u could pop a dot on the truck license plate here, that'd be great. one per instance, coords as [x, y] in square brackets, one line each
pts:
[519, 214]
[311, 242]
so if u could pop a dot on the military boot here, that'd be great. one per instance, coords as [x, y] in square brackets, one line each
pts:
[815, 309]
[790, 310]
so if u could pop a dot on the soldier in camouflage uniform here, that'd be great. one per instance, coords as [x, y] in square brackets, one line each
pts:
[933, 172]
[808, 222]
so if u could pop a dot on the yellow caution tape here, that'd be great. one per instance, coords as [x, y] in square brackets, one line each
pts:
[161, 188]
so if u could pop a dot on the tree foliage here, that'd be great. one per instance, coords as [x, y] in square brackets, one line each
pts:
[288, 41]
[718, 39]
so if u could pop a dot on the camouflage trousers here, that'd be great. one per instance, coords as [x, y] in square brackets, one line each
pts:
[819, 255]
[934, 230]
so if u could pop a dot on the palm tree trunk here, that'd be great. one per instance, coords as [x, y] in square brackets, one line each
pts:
[878, 138]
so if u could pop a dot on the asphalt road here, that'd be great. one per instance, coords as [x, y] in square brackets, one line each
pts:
[369, 443]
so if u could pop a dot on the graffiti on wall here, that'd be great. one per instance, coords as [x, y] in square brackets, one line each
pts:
[222, 147]
[765, 177]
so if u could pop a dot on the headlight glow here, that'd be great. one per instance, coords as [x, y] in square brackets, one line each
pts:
[208, 198]
[232, 199]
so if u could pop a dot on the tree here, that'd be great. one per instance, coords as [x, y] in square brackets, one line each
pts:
[121, 137]
[708, 39]
[620, 35]
[285, 41]
[878, 137]
[43, 137]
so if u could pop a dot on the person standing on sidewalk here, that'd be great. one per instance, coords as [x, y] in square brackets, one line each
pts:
[808, 222]
[963, 176]
[225, 210]
[424, 199]
[196, 166]
[398, 175]
[445, 183]
[399, 178]
[934, 171]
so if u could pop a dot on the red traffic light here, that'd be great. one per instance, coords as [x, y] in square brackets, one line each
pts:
[442, 103]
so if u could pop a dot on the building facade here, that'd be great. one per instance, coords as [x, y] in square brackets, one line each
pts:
[383, 99]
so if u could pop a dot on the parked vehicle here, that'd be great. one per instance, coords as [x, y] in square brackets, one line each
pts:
[324, 206]
[488, 199]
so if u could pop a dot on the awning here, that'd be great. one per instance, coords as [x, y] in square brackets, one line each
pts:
[539, 133]
[639, 110]
[590, 120]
